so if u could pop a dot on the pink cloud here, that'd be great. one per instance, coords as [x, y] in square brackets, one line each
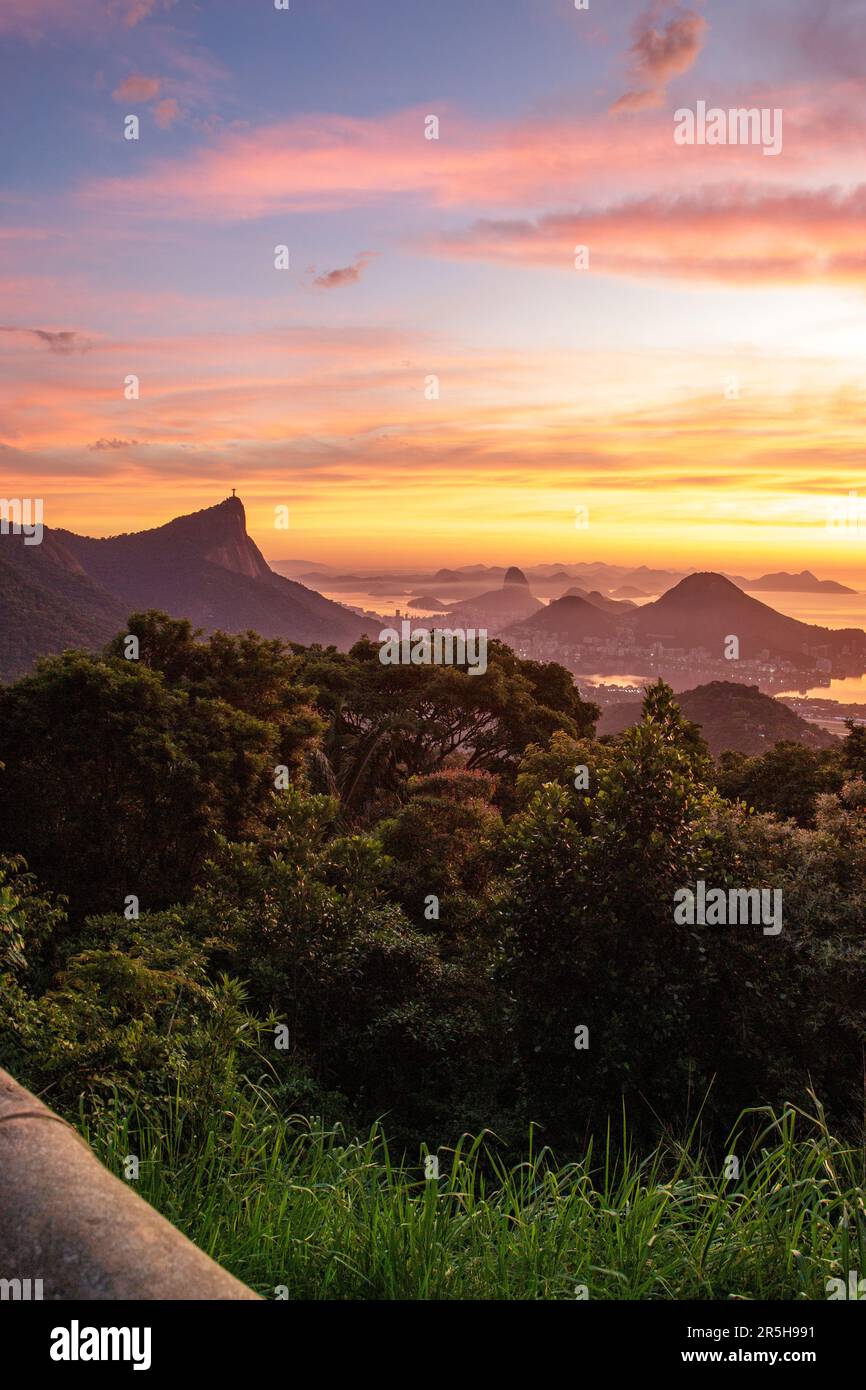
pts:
[33, 19]
[137, 88]
[132, 12]
[732, 233]
[327, 162]
[347, 275]
[166, 112]
[38, 19]
[660, 52]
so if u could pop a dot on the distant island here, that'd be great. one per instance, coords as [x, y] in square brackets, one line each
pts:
[802, 583]
[428, 601]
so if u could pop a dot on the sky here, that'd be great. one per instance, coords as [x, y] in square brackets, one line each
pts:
[434, 379]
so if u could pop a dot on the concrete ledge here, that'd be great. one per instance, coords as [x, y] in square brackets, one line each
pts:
[66, 1220]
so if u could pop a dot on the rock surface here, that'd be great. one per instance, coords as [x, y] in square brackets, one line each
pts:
[65, 1219]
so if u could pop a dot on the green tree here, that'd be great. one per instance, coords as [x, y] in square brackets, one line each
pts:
[389, 723]
[589, 936]
[786, 780]
[442, 841]
[115, 784]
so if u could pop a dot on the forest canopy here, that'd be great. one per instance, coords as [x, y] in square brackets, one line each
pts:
[402, 892]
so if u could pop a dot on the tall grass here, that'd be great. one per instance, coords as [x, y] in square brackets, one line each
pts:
[282, 1202]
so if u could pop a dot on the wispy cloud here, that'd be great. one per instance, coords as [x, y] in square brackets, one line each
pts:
[662, 48]
[140, 90]
[36, 20]
[63, 342]
[733, 234]
[132, 12]
[331, 162]
[166, 112]
[137, 87]
[100, 445]
[346, 275]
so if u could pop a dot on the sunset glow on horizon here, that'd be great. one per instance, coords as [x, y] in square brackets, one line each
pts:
[697, 393]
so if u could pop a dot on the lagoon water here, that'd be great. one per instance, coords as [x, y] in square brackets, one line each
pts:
[848, 690]
[826, 610]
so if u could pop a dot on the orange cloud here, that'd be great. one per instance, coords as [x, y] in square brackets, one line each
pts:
[350, 406]
[758, 476]
[335, 422]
